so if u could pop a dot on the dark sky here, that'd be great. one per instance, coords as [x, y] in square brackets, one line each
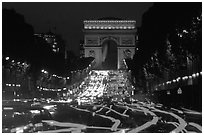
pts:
[68, 17]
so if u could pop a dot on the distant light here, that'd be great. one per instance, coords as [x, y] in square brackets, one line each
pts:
[45, 72]
[48, 107]
[12, 61]
[179, 91]
[42, 70]
[8, 108]
[35, 111]
[7, 58]
[168, 93]
[185, 31]
[193, 75]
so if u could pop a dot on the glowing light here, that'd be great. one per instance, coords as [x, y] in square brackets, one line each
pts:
[7, 58]
[193, 75]
[48, 107]
[168, 93]
[35, 111]
[179, 91]
[185, 31]
[174, 80]
[19, 130]
[178, 79]
[8, 108]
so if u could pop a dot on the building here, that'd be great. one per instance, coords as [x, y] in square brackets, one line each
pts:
[51, 39]
[81, 49]
[109, 41]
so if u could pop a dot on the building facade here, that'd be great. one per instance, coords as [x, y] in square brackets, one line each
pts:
[51, 39]
[109, 41]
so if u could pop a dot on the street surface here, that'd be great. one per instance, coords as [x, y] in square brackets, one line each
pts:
[102, 103]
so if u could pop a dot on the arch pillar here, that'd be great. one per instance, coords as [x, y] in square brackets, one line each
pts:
[97, 32]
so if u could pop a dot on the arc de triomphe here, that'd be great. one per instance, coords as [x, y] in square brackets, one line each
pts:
[109, 41]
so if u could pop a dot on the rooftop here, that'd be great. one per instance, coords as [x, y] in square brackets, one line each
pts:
[109, 23]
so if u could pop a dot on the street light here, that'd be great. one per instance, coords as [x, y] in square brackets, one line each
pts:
[7, 58]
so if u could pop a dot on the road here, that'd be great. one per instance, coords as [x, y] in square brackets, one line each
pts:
[102, 103]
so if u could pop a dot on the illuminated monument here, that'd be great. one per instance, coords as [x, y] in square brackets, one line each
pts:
[109, 41]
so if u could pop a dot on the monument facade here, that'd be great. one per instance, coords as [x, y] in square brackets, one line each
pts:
[109, 42]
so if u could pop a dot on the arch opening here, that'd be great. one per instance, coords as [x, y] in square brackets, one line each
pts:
[109, 55]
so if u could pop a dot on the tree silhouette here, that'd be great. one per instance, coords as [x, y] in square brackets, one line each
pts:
[161, 23]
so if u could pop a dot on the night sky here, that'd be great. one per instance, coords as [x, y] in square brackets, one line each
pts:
[68, 17]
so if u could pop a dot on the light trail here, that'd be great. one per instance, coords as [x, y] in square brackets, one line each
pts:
[60, 130]
[96, 88]
[64, 124]
[117, 112]
[182, 123]
[196, 125]
[116, 121]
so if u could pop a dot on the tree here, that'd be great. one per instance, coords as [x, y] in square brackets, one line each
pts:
[20, 44]
[159, 34]
[17, 35]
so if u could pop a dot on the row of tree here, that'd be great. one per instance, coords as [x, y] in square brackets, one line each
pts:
[170, 37]
[20, 44]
